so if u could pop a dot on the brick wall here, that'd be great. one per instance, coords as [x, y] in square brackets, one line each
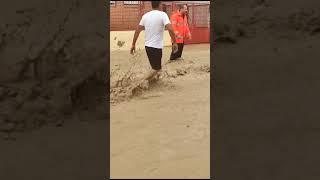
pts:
[147, 6]
[127, 16]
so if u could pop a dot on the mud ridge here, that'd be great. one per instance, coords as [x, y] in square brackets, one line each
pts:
[125, 85]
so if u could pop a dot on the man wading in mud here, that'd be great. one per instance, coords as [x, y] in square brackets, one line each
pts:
[154, 23]
[181, 29]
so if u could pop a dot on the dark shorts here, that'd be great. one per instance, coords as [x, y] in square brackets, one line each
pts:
[154, 56]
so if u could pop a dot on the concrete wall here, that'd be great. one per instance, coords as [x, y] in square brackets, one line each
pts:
[127, 37]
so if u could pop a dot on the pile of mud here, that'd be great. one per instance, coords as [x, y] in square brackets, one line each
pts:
[127, 85]
[51, 65]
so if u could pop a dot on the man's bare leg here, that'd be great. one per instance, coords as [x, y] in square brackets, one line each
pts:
[152, 74]
[149, 76]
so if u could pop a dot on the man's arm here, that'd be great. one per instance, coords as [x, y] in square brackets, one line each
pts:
[173, 37]
[135, 38]
[171, 32]
[188, 33]
[173, 20]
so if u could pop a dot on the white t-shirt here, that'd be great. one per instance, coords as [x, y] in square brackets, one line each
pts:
[154, 23]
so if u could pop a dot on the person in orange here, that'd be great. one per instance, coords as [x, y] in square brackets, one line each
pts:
[180, 26]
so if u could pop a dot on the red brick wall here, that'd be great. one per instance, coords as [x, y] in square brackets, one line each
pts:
[127, 17]
[147, 6]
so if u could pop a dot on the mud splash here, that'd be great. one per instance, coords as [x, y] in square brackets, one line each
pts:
[126, 85]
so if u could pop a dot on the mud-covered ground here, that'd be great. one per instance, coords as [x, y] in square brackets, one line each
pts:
[266, 58]
[265, 89]
[164, 130]
[53, 89]
[48, 70]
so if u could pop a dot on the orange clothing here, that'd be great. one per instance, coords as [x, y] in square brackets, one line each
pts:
[180, 27]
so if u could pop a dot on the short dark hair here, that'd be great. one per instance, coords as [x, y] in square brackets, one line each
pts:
[180, 6]
[155, 4]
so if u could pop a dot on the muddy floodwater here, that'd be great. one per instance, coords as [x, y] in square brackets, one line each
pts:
[164, 130]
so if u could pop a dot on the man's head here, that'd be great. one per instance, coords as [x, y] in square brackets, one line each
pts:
[155, 4]
[183, 9]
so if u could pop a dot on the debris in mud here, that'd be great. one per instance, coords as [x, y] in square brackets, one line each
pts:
[181, 72]
[120, 43]
[205, 68]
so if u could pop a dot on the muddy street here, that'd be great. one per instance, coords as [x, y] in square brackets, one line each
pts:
[164, 132]
[266, 86]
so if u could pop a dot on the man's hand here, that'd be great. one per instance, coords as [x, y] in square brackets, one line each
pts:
[133, 49]
[135, 37]
[174, 47]
[189, 37]
[171, 32]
